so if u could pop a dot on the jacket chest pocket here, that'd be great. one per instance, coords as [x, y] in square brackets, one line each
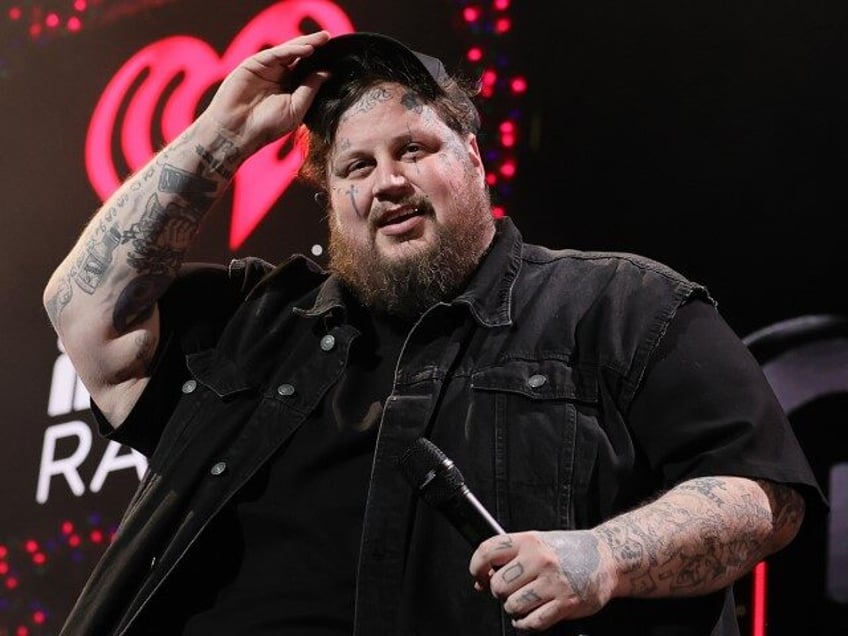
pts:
[215, 388]
[535, 409]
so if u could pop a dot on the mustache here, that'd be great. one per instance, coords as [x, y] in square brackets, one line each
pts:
[419, 204]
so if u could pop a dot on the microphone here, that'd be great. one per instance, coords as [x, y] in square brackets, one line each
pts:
[441, 485]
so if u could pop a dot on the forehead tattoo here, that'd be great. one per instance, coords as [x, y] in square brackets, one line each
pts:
[375, 96]
[411, 101]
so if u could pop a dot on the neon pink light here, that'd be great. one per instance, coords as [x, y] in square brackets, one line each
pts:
[502, 25]
[264, 177]
[507, 169]
[758, 600]
[471, 14]
[518, 85]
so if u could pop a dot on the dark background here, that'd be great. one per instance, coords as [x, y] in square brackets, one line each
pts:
[708, 135]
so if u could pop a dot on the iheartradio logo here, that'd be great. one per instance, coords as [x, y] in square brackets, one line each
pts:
[155, 95]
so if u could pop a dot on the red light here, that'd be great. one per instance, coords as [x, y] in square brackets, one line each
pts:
[4, 568]
[74, 24]
[52, 20]
[502, 25]
[74, 540]
[39, 558]
[38, 617]
[80, 5]
[22, 631]
[518, 85]
[507, 169]
[474, 54]
[501, 5]
[508, 141]
[35, 30]
[11, 582]
[15, 13]
[489, 78]
[498, 212]
[758, 600]
[491, 179]
[507, 127]
[67, 527]
[3, 551]
[96, 536]
[31, 546]
[471, 14]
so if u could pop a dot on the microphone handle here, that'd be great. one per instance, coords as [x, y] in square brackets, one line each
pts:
[470, 518]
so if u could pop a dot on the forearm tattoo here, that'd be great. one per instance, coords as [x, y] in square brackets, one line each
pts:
[686, 546]
[156, 240]
[222, 157]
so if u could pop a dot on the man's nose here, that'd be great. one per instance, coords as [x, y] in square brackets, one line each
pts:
[390, 177]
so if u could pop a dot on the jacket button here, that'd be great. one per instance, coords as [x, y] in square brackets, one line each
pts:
[285, 390]
[328, 342]
[536, 381]
[218, 468]
[189, 386]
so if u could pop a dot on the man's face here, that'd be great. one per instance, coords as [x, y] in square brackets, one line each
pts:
[410, 214]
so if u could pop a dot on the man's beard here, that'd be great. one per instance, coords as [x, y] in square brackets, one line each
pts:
[406, 287]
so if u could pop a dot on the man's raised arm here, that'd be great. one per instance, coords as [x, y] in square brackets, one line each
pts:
[102, 299]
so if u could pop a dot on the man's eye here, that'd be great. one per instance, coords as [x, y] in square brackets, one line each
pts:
[357, 166]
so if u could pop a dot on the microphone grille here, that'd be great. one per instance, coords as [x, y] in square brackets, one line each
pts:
[429, 471]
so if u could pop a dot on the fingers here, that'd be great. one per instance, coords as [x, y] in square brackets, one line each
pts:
[494, 551]
[535, 605]
[272, 63]
[522, 572]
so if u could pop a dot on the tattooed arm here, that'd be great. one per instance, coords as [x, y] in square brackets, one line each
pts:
[698, 537]
[102, 299]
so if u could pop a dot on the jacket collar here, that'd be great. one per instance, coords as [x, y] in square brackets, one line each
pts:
[488, 295]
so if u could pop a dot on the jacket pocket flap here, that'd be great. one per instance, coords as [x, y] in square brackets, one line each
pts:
[543, 379]
[217, 372]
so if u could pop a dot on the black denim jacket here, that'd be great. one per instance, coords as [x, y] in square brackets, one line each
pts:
[523, 380]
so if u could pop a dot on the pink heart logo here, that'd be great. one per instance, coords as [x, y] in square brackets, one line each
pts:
[156, 93]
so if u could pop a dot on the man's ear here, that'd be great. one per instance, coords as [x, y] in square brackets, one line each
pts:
[476, 157]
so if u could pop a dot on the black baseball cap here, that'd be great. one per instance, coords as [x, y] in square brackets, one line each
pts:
[366, 52]
[334, 56]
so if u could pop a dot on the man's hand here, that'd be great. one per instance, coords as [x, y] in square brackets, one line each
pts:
[252, 102]
[543, 577]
